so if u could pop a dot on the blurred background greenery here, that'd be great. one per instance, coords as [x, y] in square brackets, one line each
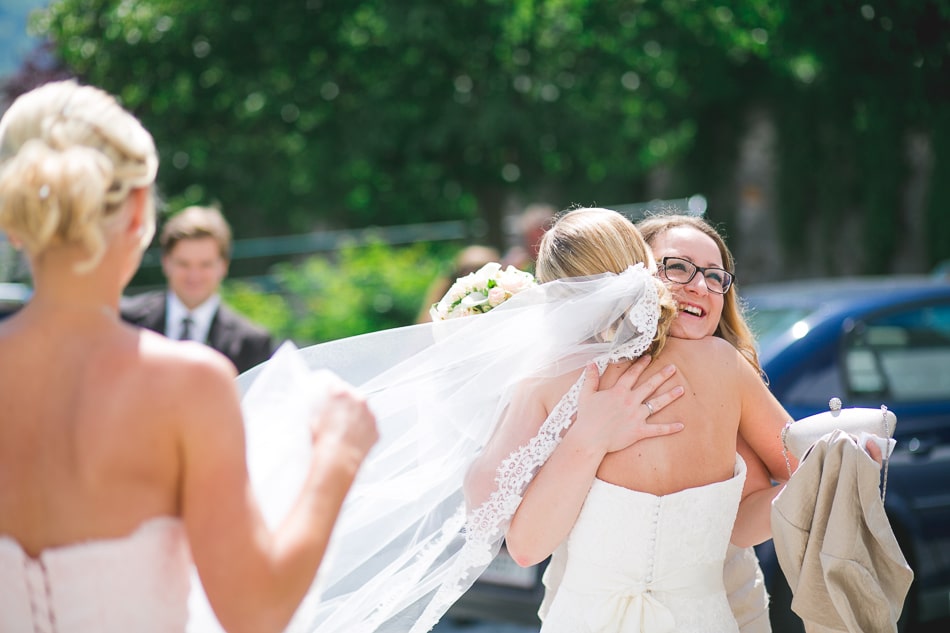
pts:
[818, 131]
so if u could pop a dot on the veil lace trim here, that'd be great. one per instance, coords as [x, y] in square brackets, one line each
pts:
[407, 546]
[484, 525]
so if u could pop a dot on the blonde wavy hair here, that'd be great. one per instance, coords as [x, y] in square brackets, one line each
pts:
[733, 326]
[590, 241]
[70, 155]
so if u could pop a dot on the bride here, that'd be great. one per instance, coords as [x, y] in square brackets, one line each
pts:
[529, 423]
[645, 526]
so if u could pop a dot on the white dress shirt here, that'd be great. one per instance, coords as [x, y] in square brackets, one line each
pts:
[201, 317]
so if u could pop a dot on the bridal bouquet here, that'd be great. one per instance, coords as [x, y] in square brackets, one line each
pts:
[480, 291]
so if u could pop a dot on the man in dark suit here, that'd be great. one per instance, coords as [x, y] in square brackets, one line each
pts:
[196, 251]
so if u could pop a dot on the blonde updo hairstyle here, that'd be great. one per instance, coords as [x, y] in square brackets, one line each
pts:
[70, 155]
[590, 241]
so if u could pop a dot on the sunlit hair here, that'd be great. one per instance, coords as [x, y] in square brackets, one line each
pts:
[590, 241]
[732, 325]
[70, 155]
[193, 223]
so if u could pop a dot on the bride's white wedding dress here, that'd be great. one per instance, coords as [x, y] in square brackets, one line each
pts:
[138, 583]
[639, 562]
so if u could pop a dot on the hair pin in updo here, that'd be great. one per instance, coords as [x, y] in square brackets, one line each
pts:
[44, 192]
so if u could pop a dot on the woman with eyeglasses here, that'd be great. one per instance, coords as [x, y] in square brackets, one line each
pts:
[697, 266]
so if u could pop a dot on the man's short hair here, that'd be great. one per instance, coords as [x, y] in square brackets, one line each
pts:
[194, 223]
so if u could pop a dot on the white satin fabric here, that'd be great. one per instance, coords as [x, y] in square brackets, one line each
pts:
[745, 586]
[742, 576]
[135, 583]
[641, 563]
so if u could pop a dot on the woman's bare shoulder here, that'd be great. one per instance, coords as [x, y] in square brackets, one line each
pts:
[164, 352]
[709, 360]
[550, 390]
[176, 368]
[711, 348]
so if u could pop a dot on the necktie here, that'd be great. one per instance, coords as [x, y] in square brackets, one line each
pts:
[186, 324]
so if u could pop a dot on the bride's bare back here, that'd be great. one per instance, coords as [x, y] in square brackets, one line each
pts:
[711, 373]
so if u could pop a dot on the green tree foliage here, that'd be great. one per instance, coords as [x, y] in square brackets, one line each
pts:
[292, 113]
[861, 75]
[302, 114]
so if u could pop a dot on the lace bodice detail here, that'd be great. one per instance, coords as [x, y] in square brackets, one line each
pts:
[634, 557]
[135, 583]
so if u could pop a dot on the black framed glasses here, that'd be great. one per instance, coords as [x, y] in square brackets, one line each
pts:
[682, 271]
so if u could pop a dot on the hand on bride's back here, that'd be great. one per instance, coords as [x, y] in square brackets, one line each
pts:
[344, 421]
[616, 417]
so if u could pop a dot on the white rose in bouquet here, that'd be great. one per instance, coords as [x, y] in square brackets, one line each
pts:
[480, 291]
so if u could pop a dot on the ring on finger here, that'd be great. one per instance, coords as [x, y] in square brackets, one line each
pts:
[649, 406]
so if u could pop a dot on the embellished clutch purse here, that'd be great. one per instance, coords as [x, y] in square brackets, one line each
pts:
[799, 435]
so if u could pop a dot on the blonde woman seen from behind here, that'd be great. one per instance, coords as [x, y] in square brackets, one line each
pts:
[122, 453]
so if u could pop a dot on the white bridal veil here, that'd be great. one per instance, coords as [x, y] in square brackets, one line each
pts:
[406, 545]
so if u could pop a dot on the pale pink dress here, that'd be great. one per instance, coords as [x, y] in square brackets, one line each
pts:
[137, 583]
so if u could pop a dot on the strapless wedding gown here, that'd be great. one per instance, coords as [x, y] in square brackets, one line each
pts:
[138, 583]
[636, 562]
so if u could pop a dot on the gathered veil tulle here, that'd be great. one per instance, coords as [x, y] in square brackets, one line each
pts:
[406, 545]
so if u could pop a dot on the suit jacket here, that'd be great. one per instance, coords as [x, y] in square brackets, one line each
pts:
[835, 544]
[245, 343]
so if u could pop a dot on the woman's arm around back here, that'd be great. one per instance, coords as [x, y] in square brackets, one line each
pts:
[255, 579]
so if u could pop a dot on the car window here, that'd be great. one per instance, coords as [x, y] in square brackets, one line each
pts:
[814, 386]
[901, 356]
[769, 322]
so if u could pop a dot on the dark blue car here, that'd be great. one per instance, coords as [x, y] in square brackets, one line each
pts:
[872, 341]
